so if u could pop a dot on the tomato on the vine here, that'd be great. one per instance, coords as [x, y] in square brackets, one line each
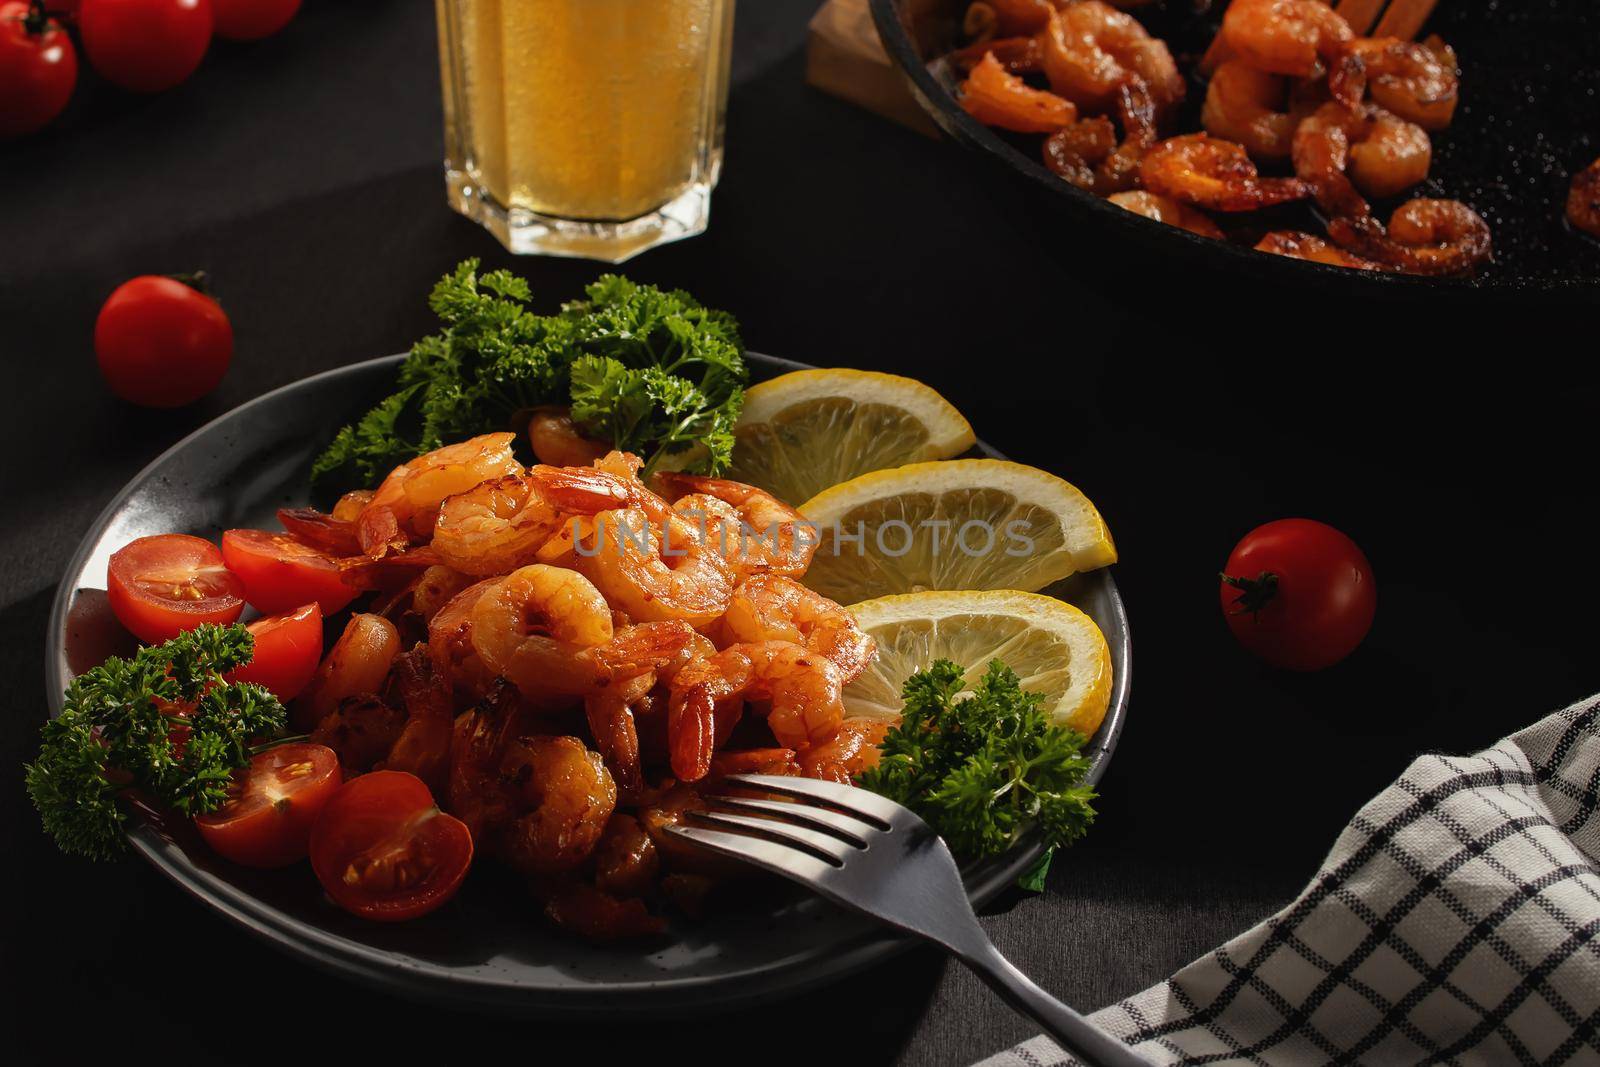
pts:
[251, 20]
[1299, 594]
[145, 45]
[383, 850]
[272, 805]
[162, 343]
[288, 648]
[38, 67]
[163, 585]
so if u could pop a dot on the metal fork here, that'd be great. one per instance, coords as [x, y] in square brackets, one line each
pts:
[874, 856]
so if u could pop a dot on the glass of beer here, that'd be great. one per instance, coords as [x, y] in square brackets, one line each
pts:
[584, 127]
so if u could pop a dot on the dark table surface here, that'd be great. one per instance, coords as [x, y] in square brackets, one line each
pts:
[303, 173]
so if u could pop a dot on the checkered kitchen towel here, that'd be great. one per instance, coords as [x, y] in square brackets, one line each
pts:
[1457, 920]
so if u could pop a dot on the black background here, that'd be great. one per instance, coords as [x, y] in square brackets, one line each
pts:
[1454, 443]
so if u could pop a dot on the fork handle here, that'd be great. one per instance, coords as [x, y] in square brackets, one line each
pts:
[1070, 1030]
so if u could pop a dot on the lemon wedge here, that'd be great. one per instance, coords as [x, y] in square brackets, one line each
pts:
[802, 432]
[1055, 649]
[955, 524]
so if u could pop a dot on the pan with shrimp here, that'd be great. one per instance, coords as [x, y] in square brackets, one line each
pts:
[1295, 137]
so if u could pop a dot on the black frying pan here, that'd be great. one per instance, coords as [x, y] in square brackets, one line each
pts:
[1529, 117]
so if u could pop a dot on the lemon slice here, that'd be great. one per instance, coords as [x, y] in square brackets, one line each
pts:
[805, 431]
[956, 524]
[1055, 649]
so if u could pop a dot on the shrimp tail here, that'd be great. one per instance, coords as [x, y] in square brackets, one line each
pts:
[691, 732]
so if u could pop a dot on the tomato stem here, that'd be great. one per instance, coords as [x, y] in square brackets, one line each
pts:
[198, 280]
[1254, 593]
[37, 20]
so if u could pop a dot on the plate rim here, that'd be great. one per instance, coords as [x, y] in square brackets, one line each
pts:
[376, 967]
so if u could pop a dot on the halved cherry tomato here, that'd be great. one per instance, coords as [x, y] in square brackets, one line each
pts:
[280, 573]
[272, 805]
[383, 850]
[163, 585]
[288, 648]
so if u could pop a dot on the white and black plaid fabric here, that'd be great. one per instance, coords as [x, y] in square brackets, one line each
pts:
[1457, 920]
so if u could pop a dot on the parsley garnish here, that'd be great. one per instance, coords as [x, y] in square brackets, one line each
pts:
[650, 370]
[984, 768]
[115, 734]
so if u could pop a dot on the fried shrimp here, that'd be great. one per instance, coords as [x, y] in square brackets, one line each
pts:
[1247, 105]
[772, 608]
[850, 751]
[423, 747]
[1168, 211]
[1087, 154]
[1214, 174]
[1583, 199]
[414, 490]
[1424, 236]
[358, 663]
[997, 98]
[494, 527]
[754, 530]
[1298, 38]
[802, 686]
[1016, 55]
[656, 568]
[549, 631]
[1418, 82]
[569, 795]
[1384, 154]
[1091, 49]
[556, 439]
[1315, 249]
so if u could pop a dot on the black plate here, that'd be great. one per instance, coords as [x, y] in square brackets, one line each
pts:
[488, 949]
[1529, 118]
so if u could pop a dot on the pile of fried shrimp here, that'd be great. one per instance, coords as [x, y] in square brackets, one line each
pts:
[1290, 87]
[568, 657]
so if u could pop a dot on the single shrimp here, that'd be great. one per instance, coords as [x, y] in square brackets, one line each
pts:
[477, 793]
[610, 712]
[1016, 55]
[423, 746]
[556, 439]
[1583, 199]
[767, 535]
[1298, 38]
[1091, 49]
[1086, 154]
[434, 588]
[626, 860]
[996, 98]
[450, 642]
[803, 687]
[852, 750]
[549, 631]
[413, 491]
[1424, 236]
[1168, 211]
[1417, 81]
[1213, 174]
[358, 663]
[326, 533]
[494, 527]
[569, 797]
[362, 730]
[1247, 105]
[656, 577]
[1315, 249]
[1384, 155]
[773, 608]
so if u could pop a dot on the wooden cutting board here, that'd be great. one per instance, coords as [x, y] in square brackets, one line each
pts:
[845, 58]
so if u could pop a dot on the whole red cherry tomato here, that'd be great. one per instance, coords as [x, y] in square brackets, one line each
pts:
[251, 20]
[38, 68]
[145, 45]
[162, 343]
[272, 805]
[1299, 594]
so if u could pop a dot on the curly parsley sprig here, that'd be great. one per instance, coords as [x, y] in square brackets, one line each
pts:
[116, 734]
[983, 769]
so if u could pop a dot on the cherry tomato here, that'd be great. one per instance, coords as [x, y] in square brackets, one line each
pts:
[251, 20]
[288, 649]
[163, 585]
[38, 68]
[272, 805]
[162, 343]
[280, 573]
[383, 850]
[1299, 594]
[145, 45]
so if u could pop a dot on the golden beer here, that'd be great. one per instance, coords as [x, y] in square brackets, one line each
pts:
[584, 127]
